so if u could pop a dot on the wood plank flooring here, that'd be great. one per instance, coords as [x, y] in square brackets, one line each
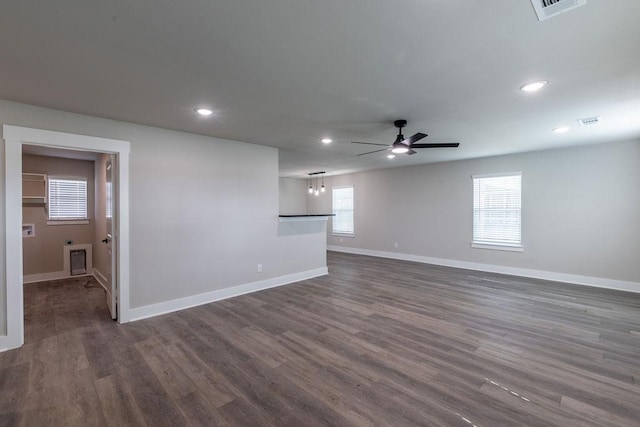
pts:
[376, 342]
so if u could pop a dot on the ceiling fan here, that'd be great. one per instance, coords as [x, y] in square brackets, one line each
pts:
[402, 145]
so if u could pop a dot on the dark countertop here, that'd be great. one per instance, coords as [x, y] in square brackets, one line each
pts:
[304, 215]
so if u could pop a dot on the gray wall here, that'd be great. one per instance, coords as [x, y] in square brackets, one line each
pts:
[581, 210]
[43, 253]
[200, 219]
[293, 196]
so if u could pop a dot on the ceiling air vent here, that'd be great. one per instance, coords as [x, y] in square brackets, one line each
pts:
[546, 9]
[589, 121]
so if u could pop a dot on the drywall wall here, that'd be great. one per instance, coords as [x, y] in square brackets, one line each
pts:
[43, 253]
[580, 210]
[200, 220]
[293, 196]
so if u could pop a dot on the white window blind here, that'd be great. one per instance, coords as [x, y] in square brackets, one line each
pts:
[67, 198]
[343, 209]
[109, 204]
[497, 210]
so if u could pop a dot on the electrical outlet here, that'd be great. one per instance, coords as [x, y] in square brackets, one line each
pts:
[259, 268]
[395, 245]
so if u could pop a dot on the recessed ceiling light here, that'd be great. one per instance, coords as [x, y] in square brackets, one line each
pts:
[533, 86]
[589, 121]
[561, 129]
[327, 140]
[391, 156]
[204, 111]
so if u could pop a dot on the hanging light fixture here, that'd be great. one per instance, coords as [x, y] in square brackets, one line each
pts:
[398, 147]
[314, 180]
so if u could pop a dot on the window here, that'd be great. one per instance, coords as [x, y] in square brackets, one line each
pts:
[343, 209]
[67, 199]
[109, 201]
[497, 211]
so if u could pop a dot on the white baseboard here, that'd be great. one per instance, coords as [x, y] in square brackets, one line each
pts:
[44, 277]
[8, 343]
[597, 282]
[54, 275]
[100, 278]
[220, 294]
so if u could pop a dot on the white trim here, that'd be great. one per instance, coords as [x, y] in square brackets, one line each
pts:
[221, 294]
[303, 218]
[102, 281]
[68, 222]
[497, 247]
[45, 277]
[14, 137]
[59, 275]
[596, 282]
[6, 343]
[496, 175]
[68, 178]
[13, 241]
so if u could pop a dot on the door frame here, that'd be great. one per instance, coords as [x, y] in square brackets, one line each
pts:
[14, 138]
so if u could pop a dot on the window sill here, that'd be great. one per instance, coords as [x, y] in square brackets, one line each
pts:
[496, 247]
[343, 234]
[68, 222]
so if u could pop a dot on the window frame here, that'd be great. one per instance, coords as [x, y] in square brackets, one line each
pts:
[488, 244]
[353, 211]
[67, 221]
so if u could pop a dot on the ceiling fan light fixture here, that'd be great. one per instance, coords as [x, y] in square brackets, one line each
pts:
[533, 86]
[399, 148]
[204, 111]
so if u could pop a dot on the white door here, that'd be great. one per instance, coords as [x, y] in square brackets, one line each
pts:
[112, 282]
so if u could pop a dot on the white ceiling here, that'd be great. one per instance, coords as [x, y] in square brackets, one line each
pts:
[286, 73]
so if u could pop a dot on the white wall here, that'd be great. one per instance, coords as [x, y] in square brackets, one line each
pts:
[581, 210]
[200, 220]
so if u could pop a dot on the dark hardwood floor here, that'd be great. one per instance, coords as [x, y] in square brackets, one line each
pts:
[376, 342]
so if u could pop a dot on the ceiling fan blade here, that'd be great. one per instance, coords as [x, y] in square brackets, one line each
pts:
[417, 137]
[436, 145]
[410, 152]
[370, 143]
[376, 151]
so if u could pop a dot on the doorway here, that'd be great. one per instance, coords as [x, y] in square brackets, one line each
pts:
[15, 137]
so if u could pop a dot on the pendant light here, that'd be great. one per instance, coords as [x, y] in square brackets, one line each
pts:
[314, 180]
